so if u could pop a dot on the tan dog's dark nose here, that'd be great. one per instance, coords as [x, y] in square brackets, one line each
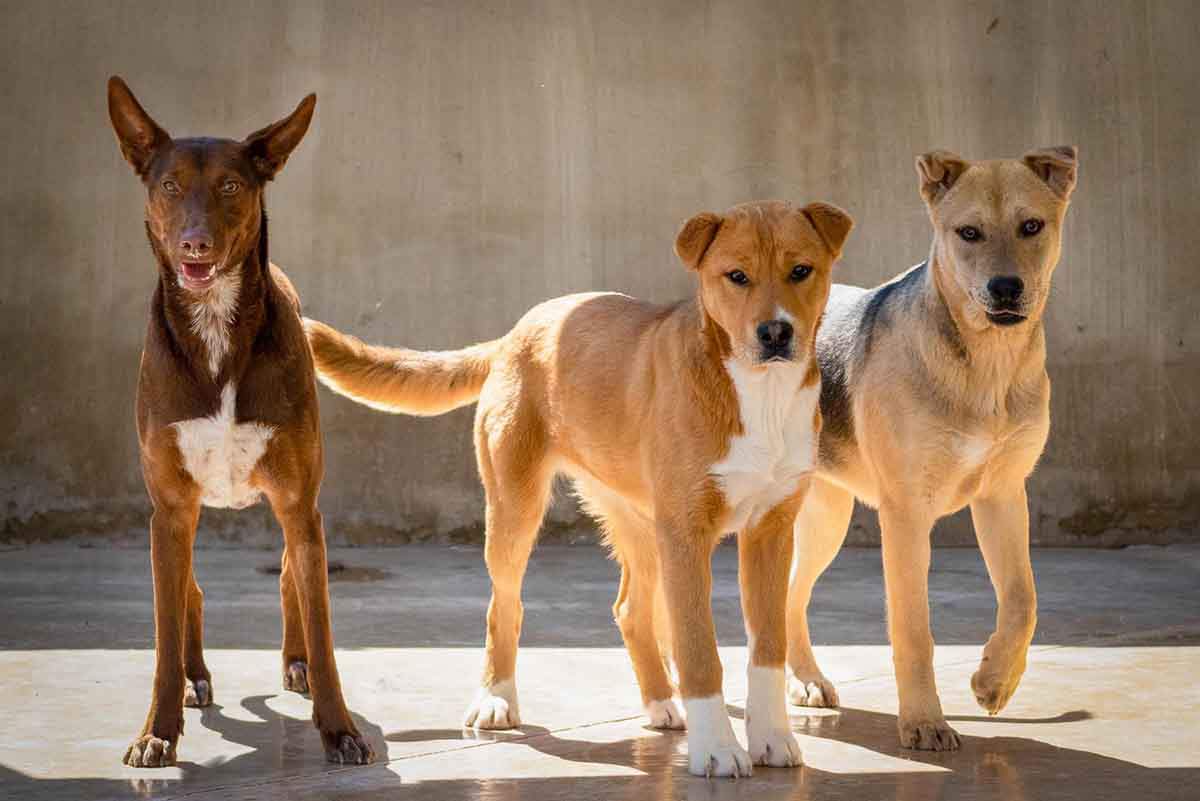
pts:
[1006, 289]
[775, 336]
[196, 242]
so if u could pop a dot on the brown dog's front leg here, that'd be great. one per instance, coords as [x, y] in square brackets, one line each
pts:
[1002, 527]
[305, 543]
[172, 532]
[295, 655]
[713, 750]
[764, 560]
[199, 680]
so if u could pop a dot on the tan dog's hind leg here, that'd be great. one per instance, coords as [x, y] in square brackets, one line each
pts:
[172, 532]
[764, 555]
[906, 554]
[820, 530]
[517, 481]
[304, 537]
[686, 557]
[634, 614]
[199, 681]
[295, 656]
[1002, 527]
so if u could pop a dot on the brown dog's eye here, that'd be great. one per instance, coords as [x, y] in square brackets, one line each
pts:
[170, 187]
[800, 272]
[738, 277]
[1032, 227]
[970, 233]
[230, 187]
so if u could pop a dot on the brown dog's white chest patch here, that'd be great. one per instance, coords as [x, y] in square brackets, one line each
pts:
[220, 453]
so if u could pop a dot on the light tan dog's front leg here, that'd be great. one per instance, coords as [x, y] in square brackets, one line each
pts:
[764, 560]
[906, 553]
[686, 556]
[1002, 527]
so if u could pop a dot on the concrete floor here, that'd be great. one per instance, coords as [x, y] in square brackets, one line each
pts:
[1110, 706]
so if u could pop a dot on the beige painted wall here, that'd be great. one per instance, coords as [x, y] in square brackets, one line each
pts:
[469, 160]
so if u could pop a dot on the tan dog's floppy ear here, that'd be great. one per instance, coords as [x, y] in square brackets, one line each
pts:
[140, 136]
[939, 170]
[694, 238]
[832, 224]
[1057, 166]
[270, 147]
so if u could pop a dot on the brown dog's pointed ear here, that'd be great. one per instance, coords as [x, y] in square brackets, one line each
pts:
[939, 170]
[694, 238]
[270, 147]
[832, 224]
[1057, 166]
[140, 136]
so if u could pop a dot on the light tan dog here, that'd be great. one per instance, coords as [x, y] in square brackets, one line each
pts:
[935, 396]
[679, 424]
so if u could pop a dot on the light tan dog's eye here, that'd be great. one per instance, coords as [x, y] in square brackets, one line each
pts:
[738, 277]
[1032, 227]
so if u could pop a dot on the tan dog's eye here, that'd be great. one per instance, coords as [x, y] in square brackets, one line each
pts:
[170, 187]
[1032, 227]
[738, 277]
[800, 272]
[969, 233]
[230, 187]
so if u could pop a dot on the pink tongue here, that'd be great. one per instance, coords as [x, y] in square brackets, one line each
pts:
[196, 271]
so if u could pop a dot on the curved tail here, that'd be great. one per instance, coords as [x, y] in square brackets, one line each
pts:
[397, 379]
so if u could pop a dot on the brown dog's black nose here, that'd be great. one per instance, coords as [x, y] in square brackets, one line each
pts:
[1006, 289]
[775, 335]
[196, 242]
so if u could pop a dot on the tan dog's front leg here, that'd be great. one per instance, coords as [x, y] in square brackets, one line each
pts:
[1002, 528]
[172, 532]
[906, 552]
[713, 750]
[764, 559]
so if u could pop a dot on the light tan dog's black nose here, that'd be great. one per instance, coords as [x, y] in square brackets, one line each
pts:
[1006, 289]
[775, 335]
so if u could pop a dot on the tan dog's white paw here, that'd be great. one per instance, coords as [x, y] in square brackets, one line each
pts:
[928, 735]
[713, 750]
[805, 689]
[777, 748]
[149, 751]
[664, 715]
[198, 693]
[767, 726]
[494, 707]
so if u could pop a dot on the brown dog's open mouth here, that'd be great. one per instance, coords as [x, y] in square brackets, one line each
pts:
[197, 274]
[1005, 317]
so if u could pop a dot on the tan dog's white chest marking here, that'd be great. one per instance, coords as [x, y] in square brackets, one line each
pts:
[777, 447]
[220, 453]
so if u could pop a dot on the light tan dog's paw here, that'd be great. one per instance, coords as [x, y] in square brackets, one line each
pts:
[664, 715]
[994, 685]
[775, 749]
[928, 735]
[198, 693]
[149, 751]
[811, 690]
[347, 749]
[295, 677]
[494, 707]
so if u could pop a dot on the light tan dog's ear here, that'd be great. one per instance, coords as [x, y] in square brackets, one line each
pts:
[1057, 166]
[694, 238]
[939, 169]
[832, 224]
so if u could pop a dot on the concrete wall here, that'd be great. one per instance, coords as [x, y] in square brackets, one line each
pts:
[469, 160]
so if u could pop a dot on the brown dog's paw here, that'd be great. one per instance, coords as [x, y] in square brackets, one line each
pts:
[149, 751]
[347, 749]
[198, 693]
[295, 677]
[928, 735]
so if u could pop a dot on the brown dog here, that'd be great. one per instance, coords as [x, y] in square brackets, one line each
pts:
[935, 396]
[679, 424]
[226, 410]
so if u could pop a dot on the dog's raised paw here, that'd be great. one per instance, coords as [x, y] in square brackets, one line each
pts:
[198, 693]
[494, 707]
[994, 687]
[814, 691]
[928, 735]
[295, 677]
[664, 715]
[149, 751]
[348, 749]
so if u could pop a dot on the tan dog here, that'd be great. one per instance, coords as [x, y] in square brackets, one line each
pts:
[935, 396]
[679, 424]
